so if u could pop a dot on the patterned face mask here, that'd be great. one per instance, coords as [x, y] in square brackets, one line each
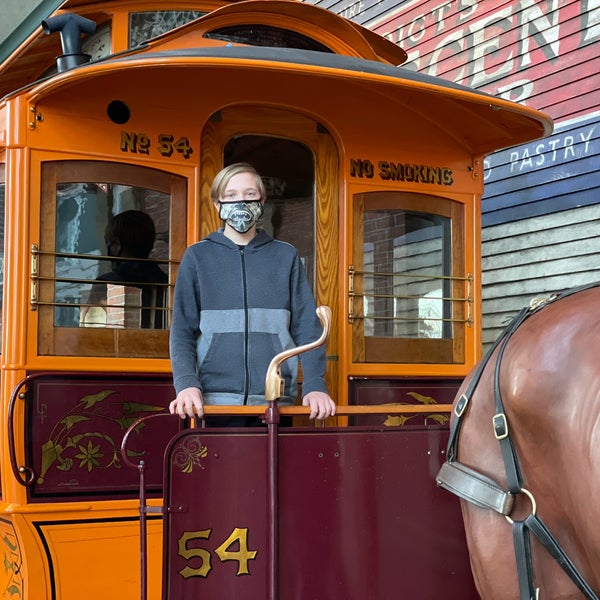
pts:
[240, 215]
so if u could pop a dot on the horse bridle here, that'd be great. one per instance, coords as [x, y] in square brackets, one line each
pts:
[479, 489]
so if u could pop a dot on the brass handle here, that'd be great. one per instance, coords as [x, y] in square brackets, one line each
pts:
[274, 382]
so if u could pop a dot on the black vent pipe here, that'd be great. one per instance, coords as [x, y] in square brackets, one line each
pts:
[71, 27]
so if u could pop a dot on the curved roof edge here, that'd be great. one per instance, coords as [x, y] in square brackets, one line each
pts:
[334, 26]
[489, 123]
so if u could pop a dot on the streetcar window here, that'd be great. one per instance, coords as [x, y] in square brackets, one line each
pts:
[266, 35]
[148, 24]
[406, 258]
[104, 258]
[98, 45]
[87, 213]
[407, 289]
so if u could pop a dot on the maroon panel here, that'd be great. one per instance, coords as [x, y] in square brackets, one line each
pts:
[216, 490]
[366, 520]
[360, 516]
[75, 428]
[424, 391]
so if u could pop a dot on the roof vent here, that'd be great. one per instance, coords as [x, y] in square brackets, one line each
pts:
[71, 27]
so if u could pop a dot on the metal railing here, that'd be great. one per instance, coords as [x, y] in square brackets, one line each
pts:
[37, 279]
[355, 310]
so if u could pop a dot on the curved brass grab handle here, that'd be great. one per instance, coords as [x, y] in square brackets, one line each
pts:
[274, 382]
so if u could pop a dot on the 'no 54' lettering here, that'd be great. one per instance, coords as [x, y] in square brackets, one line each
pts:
[140, 143]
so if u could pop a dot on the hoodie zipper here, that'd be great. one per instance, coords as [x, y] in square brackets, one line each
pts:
[246, 358]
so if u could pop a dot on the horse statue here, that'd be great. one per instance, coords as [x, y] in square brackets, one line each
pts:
[524, 454]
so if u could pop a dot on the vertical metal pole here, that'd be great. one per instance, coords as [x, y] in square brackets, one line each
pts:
[274, 389]
[272, 420]
[143, 545]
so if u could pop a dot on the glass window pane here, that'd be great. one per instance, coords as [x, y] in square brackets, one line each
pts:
[266, 35]
[409, 297]
[98, 45]
[111, 236]
[406, 263]
[117, 234]
[289, 216]
[146, 25]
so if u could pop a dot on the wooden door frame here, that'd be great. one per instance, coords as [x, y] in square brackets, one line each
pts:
[287, 124]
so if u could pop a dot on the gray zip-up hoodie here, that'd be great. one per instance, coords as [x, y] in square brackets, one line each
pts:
[234, 309]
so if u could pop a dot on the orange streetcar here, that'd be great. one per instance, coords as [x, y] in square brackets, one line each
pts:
[374, 173]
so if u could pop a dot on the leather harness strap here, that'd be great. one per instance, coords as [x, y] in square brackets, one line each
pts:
[522, 543]
[475, 487]
[543, 534]
[479, 489]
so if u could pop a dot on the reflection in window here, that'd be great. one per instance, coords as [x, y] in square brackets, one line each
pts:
[98, 45]
[146, 25]
[407, 264]
[117, 234]
[289, 216]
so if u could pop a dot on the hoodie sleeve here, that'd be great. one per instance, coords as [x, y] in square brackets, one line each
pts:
[305, 327]
[185, 325]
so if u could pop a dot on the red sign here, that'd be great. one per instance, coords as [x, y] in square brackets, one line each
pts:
[529, 51]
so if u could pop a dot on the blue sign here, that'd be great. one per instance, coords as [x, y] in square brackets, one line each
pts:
[550, 175]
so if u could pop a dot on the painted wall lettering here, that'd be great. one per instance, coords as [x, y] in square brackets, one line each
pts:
[509, 49]
[576, 145]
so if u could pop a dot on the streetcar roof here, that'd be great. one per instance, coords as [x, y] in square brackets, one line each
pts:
[29, 52]
[338, 49]
[481, 122]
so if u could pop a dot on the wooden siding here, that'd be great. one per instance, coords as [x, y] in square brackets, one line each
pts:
[541, 208]
[536, 257]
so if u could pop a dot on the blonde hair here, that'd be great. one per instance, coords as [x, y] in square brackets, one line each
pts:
[223, 177]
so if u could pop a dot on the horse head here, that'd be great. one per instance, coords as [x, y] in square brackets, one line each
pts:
[523, 454]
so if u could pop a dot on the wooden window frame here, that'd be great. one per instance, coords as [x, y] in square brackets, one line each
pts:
[371, 349]
[98, 341]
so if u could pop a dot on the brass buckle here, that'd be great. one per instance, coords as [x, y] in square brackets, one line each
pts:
[461, 405]
[500, 425]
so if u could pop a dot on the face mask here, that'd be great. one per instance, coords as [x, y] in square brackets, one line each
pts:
[240, 215]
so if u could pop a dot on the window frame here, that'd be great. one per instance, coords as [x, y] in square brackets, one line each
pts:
[101, 342]
[405, 350]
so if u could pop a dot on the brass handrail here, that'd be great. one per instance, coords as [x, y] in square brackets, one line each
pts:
[340, 411]
[353, 271]
[36, 278]
[352, 294]
[35, 250]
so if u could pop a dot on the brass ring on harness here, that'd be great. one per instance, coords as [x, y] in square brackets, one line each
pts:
[531, 499]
